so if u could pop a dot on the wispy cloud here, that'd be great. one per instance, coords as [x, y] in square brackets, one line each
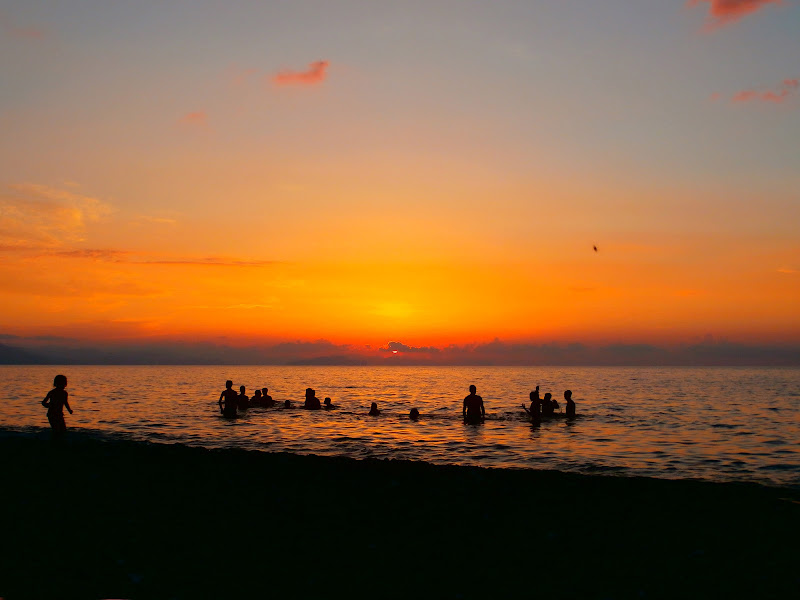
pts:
[36, 215]
[315, 74]
[397, 347]
[724, 12]
[197, 118]
[211, 261]
[776, 95]
[788, 271]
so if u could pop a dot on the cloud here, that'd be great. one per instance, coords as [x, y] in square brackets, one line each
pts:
[315, 74]
[39, 215]
[777, 95]
[724, 12]
[94, 254]
[400, 347]
[788, 271]
[194, 119]
[211, 261]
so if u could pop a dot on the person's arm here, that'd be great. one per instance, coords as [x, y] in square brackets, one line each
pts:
[464, 409]
[66, 402]
[483, 410]
[525, 408]
[222, 395]
[46, 401]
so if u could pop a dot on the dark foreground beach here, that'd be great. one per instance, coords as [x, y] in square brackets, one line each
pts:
[99, 519]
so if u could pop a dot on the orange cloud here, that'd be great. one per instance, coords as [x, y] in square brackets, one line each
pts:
[198, 118]
[315, 74]
[776, 96]
[723, 12]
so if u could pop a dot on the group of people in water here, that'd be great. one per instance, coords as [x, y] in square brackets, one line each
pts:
[231, 404]
[473, 411]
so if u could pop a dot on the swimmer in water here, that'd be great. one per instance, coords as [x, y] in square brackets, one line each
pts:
[242, 401]
[472, 410]
[570, 403]
[287, 404]
[227, 400]
[373, 410]
[266, 399]
[547, 405]
[535, 411]
[414, 414]
[256, 400]
[328, 404]
[311, 402]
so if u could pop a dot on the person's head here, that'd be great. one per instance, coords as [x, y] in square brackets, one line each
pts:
[241, 389]
[328, 401]
[472, 389]
[229, 384]
[60, 381]
[287, 404]
[264, 391]
[547, 396]
[568, 395]
[257, 393]
[309, 393]
[535, 393]
[414, 414]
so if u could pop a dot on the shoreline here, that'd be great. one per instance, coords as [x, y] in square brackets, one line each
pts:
[93, 518]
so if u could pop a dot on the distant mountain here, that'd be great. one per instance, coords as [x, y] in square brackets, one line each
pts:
[9, 355]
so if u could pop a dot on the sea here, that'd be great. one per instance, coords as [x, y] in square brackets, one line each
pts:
[713, 423]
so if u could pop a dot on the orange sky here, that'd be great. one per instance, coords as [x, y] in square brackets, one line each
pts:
[440, 183]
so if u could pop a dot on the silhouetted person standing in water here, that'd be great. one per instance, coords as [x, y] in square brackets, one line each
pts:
[312, 402]
[547, 405]
[55, 401]
[228, 407]
[472, 410]
[570, 403]
[242, 401]
[535, 410]
[266, 399]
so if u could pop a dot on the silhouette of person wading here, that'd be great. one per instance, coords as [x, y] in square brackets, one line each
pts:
[472, 410]
[55, 401]
[227, 400]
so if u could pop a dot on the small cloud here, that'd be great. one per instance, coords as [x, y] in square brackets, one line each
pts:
[788, 271]
[94, 254]
[194, 119]
[777, 95]
[395, 347]
[211, 261]
[724, 12]
[157, 220]
[315, 74]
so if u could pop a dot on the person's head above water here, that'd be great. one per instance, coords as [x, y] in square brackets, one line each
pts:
[264, 391]
[241, 389]
[414, 414]
[257, 393]
[472, 389]
[229, 384]
[548, 395]
[568, 395]
[327, 401]
[287, 404]
[60, 381]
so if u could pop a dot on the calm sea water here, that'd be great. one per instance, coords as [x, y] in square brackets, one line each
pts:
[721, 424]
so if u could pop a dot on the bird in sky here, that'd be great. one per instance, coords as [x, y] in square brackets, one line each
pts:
[595, 248]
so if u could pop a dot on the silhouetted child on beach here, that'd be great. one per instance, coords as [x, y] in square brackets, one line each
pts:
[266, 399]
[227, 400]
[570, 403]
[55, 401]
[373, 410]
[472, 409]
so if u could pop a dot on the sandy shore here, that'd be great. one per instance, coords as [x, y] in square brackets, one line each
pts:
[95, 519]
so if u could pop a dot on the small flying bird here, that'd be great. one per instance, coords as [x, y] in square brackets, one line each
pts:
[595, 248]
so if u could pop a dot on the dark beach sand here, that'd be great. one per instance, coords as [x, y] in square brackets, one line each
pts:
[95, 519]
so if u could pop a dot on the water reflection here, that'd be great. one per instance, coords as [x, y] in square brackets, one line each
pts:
[638, 421]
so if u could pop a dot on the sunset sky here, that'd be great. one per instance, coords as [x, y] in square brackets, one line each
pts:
[424, 172]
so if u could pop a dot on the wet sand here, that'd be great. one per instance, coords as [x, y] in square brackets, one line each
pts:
[99, 519]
